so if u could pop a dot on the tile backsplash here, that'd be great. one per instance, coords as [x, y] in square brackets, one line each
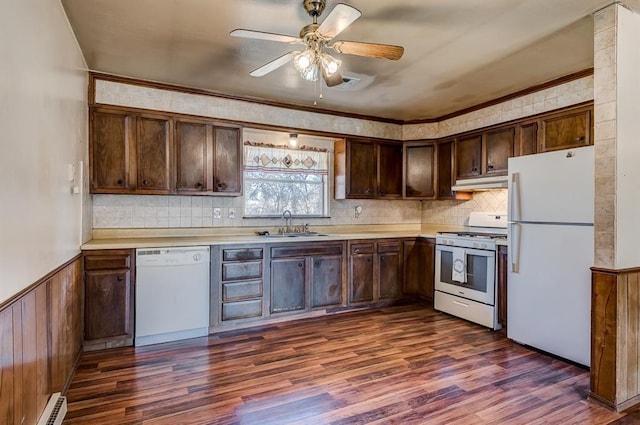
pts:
[457, 212]
[148, 211]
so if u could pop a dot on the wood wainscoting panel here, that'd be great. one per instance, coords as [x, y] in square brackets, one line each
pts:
[40, 335]
[7, 366]
[615, 329]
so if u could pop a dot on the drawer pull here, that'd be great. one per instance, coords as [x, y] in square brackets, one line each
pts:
[120, 278]
[461, 304]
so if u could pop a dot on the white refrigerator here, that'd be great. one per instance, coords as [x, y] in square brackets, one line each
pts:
[551, 248]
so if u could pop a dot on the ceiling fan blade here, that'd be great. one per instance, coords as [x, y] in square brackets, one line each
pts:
[373, 50]
[269, 36]
[340, 18]
[333, 79]
[274, 64]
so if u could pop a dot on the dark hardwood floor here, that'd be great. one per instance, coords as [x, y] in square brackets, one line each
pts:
[395, 365]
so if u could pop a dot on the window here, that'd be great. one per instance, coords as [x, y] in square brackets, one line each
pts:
[278, 179]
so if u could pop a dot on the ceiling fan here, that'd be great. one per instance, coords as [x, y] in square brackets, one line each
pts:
[314, 60]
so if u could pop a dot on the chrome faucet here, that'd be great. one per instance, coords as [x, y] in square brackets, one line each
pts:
[286, 216]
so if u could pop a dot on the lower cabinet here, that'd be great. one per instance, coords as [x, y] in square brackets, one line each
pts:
[306, 276]
[419, 267]
[108, 298]
[375, 270]
[288, 284]
[237, 284]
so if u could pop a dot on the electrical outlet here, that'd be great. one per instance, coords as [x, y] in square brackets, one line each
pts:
[217, 213]
[232, 213]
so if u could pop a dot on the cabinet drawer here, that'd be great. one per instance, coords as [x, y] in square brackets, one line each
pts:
[391, 246]
[234, 291]
[293, 250]
[241, 310]
[361, 248]
[107, 262]
[242, 254]
[242, 270]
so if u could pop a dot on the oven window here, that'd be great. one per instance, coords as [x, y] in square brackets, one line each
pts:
[477, 267]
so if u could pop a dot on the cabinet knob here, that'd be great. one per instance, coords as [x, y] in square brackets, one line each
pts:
[316, 263]
[579, 139]
[368, 260]
[356, 251]
[120, 182]
[490, 167]
[382, 192]
[198, 185]
[300, 264]
[474, 169]
[120, 278]
[145, 182]
[382, 258]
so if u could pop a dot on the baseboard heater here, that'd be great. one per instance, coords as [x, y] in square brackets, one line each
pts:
[55, 410]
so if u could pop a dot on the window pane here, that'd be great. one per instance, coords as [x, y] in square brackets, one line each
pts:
[271, 197]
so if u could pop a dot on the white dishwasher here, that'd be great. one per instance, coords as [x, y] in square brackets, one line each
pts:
[172, 294]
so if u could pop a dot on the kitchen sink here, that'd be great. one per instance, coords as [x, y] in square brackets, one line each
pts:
[294, 235]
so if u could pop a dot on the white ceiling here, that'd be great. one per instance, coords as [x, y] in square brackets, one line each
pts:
[458, 53]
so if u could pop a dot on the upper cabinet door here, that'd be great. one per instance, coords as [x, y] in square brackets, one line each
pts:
[227, 161]
[192, 148]
[445, 169]
[566, 130]
[361, 169]
[527, 139]
[420, 171]
[389, 170]
[499, 147]
[110, 151]
[154, 154]
[469, 156]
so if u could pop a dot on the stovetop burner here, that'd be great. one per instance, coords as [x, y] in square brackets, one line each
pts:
[479, 235]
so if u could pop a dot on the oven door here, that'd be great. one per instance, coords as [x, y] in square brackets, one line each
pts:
[480, 274]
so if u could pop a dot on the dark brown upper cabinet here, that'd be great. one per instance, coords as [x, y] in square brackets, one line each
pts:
[567, 129]
[445, 169]
[208, 157]
[110, 151]
[146, 153]
[153, 154]
[130, 153]
[469, 156]
[498, 149]
[420, 170]
[484, 154]
[526, 138]
[368, 169]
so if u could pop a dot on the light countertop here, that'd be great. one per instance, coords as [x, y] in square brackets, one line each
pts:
[149, 238]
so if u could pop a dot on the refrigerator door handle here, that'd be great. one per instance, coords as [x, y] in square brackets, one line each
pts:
[514, 246]
[514, 198]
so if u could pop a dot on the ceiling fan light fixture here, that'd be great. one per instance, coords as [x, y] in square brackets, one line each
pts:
[329, 64]
[305, 60]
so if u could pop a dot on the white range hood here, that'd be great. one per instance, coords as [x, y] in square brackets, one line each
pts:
[481, 183]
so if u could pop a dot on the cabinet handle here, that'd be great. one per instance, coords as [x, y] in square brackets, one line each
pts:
[356, 251]
[120, 182]
[299, 264]
[198, 185]
[120, 278]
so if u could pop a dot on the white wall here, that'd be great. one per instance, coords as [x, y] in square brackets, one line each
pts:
[627, 225]
[43, 117]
